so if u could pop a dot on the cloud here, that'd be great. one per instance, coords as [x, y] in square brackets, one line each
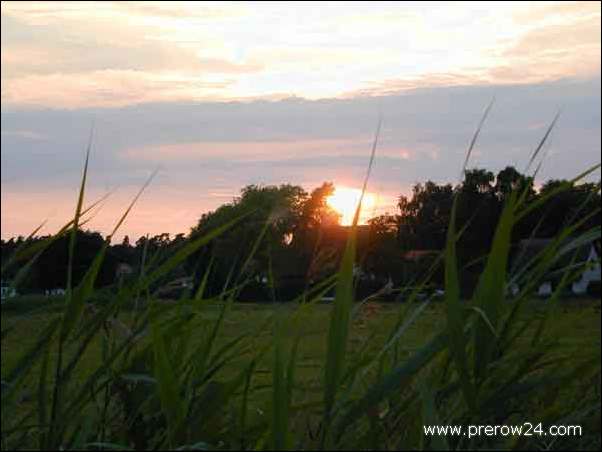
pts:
[258, 151]
[85, 58]
[542, 12]
[105, 57]
[114, 54]
[106, 88]
[553, 51]
[207, 151]
[25, 134]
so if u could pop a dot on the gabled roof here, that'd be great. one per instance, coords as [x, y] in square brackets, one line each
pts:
[529, 249]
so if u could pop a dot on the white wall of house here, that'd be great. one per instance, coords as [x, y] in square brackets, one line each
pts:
[545, 290]
[591, 274]
[8, 292]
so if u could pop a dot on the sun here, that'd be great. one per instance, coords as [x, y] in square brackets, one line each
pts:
[344, 200]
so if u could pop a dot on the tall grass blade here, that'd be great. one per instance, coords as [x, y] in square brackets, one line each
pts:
[338, 330]
[390, 382]
[186, 251]
[476, 135]
[167, 385]
[490, 292]
[430, 416]
[455, 312]
[43, 399]
[542, 142]
[280, 398]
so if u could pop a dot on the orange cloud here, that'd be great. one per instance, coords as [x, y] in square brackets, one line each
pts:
[260, 150]
[107, 88]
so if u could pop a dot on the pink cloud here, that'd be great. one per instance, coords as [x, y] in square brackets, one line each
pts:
[261, 150]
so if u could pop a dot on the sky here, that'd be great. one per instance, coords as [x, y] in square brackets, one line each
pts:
[217, 96]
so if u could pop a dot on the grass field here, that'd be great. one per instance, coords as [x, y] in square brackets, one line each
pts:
[575, 326]
[575, 317]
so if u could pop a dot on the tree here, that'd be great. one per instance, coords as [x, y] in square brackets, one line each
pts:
[424, 218]
[316, 212]
[578, 202]
[52, 265]
[271, 213]
[382, 256]
[478, 211]
[510, 179]
[124, 252]
[281, 227]
[314, 255]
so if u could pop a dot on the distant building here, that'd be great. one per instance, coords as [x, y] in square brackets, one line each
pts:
[176, 287]
[591, 273]
[587, 258]
[7, 290]
[417, 255]
[123, 270]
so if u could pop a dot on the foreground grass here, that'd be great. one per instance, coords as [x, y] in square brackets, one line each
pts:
[574, 327]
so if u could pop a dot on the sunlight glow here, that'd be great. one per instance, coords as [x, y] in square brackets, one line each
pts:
[344, 200]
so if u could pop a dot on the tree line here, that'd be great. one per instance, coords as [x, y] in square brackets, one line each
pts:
[287, 239]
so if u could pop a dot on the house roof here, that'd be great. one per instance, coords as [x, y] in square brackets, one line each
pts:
[529, 249]
[180, 280]
[414, 255]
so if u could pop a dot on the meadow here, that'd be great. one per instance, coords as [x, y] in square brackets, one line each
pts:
[367, 336]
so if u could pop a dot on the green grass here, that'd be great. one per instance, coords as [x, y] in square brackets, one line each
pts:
[368, 332]
[576, 316]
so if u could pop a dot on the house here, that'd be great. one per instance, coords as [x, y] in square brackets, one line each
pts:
[123, 270]
[7, 290]
[591, 273]
[176, 287]
[417, 255]
[587, 258]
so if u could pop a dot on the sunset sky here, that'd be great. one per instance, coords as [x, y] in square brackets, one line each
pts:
[218, 96]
